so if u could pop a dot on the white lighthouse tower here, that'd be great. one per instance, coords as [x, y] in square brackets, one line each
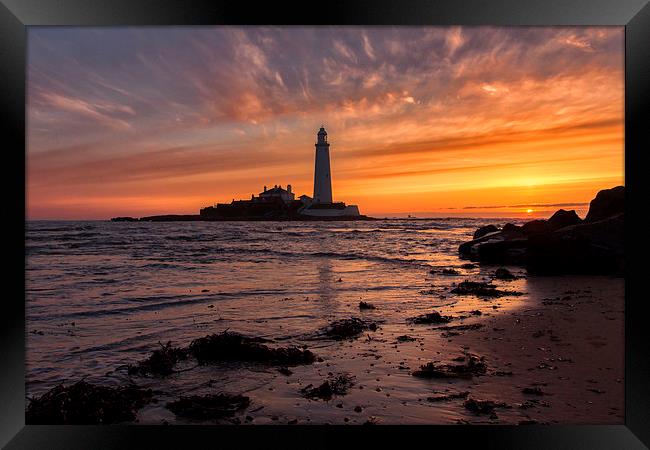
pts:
[322, 174]
[322, 205]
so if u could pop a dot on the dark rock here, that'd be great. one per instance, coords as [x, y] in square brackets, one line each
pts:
[161, 362]
[430, 318]
[213, 406]
[504, 274]
[364, 305]
[83, 403]
[229, 346]
[562, 244]
[405, 338]
[338, 385]
[588, 248]
[471, 365]
[348, 328]
[607, 203]
[512, 230]
[563, 218]
[449, 272]
[535, 227]
[510, 251]
[485, 230]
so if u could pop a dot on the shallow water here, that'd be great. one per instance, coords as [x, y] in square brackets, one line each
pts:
[101, 295]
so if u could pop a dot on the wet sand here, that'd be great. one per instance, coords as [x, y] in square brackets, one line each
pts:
[102, 296]
[563, 340]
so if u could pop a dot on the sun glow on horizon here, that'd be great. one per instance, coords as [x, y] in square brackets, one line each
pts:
[450, 120]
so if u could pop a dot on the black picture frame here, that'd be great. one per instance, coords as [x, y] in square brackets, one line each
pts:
[16, 15]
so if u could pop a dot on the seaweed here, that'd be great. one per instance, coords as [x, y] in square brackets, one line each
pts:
[430, 318]
[444, 398]
[481, 289]
[212, 406]
[161, 362]
[471, 365]
[481, 407]
[348, 328]
[364, 305]
[84, 403]
[338, 385]
[230, 346]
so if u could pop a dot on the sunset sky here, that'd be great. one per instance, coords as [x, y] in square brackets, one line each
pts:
[438, 121]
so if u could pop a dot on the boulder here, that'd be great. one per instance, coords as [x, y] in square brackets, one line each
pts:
[608, 203]
[535, 227]
[485, 230]
[507, 251]
[594, 248]
[510, 229]
[563, 218]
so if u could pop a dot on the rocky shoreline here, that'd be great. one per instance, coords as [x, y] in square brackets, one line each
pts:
[199, 218]
[563, 244]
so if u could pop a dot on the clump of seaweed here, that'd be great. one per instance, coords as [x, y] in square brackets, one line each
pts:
[348, 328]
[535, 390]
[212, 406]
[338, 385]
[480, 289]
[83, 403]
[504, 274]
[230, 346]
[470, 365]
[444, 398]
[161, 362]
[481, 407]
[430, 318]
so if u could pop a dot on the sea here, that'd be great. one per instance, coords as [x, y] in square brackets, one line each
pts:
[101, 295]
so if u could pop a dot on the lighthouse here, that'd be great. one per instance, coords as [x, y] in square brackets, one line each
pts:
[322, 174]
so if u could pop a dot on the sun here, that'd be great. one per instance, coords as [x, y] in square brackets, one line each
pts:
[529, 211]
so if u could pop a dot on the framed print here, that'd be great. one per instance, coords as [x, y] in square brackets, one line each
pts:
[251, 222]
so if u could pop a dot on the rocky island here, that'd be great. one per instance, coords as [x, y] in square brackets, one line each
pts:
[277, 203]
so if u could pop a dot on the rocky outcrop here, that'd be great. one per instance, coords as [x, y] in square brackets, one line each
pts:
[563, 218]
[485, 230]
[562, 244]
[590, 248]
[608, 203]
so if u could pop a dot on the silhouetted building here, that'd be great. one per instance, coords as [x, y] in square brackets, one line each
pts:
[322, 175]
[281, 203]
